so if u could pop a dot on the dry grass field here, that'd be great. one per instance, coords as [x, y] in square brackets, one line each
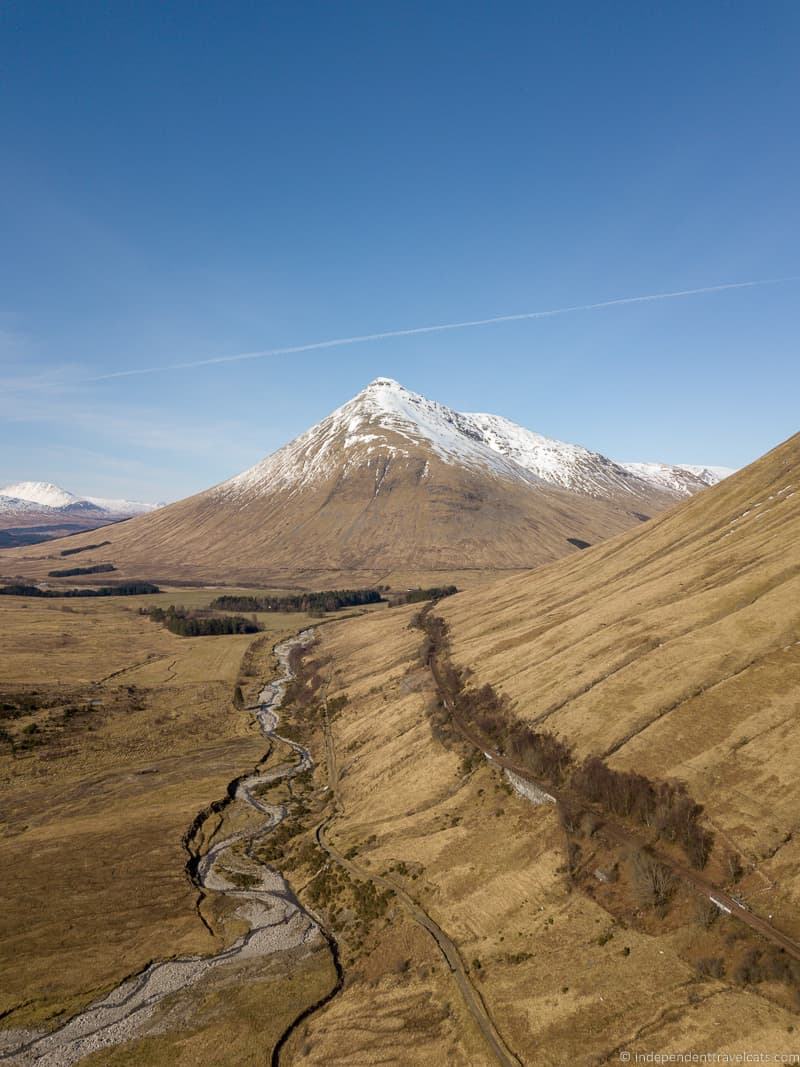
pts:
[674, 651]
[565, 979]
[131, 731]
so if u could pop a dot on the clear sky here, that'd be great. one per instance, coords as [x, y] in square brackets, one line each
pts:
[184, 181]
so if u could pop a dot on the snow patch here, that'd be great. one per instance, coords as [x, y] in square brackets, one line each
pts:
[13, 505]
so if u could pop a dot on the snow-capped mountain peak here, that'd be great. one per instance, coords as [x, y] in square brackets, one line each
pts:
[386, 419]
[15, 505]
[51, 496]
[46, 495]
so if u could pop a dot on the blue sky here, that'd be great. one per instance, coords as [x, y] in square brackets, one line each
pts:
[181, 182]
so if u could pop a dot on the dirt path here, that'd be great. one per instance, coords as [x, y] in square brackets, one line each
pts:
[276, 918]
[469, 994]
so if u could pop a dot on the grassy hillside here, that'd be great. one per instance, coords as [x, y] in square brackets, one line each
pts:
[565, 977]
[673, 650]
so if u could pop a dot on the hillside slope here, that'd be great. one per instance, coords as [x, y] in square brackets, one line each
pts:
[674, 650]
[390, 485]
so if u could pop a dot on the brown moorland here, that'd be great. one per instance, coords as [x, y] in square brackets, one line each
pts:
[673, 651]
[116, 734]
[566, 976]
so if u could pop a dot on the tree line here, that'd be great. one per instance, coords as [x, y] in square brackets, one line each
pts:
[415, 596]
[122, 589]
[193, 624]
[665, 807]
[69, 572]
[330, 600]
[83, 548]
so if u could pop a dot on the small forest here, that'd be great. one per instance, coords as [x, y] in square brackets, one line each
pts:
[200, 624]
[330, 600]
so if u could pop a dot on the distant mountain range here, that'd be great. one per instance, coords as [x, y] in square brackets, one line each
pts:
[47, 495]
[392, 484]
[39, 511]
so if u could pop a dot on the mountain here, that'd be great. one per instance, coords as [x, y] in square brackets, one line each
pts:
[33, 512]
[13, 505]
[392, 484]
[44, 493]
[576, 468]
[123, 508]
[476, 440]
[681, 479]
[48, 495]
[672, 650]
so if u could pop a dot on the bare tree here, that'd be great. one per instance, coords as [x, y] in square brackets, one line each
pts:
[654, 881]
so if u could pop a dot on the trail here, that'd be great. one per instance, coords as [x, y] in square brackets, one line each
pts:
[469, 994]
[276, 918]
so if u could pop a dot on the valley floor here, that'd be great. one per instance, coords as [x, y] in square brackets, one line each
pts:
[107, 774]
[397, 834]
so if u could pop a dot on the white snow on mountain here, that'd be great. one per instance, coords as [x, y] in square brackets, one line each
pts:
[123, 507]
[561, 464]
[683, 479]
[44, 496]
[361, 428]
[709, 475]
[14, 505]
[51, 496]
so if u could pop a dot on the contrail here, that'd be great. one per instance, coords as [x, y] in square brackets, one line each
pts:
[359, 339]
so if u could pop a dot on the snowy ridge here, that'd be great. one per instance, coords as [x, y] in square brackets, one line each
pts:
[46, 497]
[708, 475]
[14, 505]
[568, 466]
[123, 507]
[682, 479]
[349, 435]
[51, 496]
[359, 431]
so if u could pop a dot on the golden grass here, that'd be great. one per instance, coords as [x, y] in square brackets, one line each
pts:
[398, 1006]
[554, 970]
[91, 834]
[676, 651]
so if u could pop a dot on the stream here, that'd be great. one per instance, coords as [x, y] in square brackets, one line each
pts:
[277, 920]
